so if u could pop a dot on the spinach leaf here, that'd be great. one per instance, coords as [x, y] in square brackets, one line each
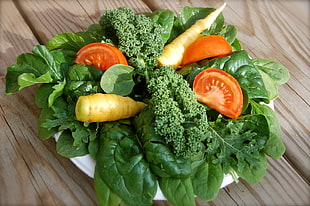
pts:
[270, 85]
[165, 18]
[276, 71]
[122, 167]
[65, 147]
[188, 16]
[274, 146]
[118, 80]
[178, 192]
[252, 173]
[79, 72]
[41, 66]
[105, 196]
[252, 82]
[42, 95]
[229, 32]
[207, 180]
[54, 60]
[82, 80]
[66, 40]
[45, 133]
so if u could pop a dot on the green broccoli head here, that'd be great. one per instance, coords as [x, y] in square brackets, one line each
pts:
[137, 36]
[179, 118]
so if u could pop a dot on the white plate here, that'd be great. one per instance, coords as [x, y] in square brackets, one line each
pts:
[87, 165]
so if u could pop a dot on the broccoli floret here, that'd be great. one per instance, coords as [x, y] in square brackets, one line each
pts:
[136, 35]
[179, 118]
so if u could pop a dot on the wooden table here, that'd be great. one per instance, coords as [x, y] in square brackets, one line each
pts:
[32, 173]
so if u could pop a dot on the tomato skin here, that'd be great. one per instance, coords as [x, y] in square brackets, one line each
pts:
[100, 55]
[206, 47]
[219, 91]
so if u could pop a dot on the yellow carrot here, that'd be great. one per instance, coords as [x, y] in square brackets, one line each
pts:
[106, 107]
[174, 51]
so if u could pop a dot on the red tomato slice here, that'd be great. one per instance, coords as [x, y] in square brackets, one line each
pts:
[100, 55]
[219, 91]
[206, 47]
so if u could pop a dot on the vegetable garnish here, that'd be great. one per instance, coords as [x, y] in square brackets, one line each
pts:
[206, 47]
[220, 91]
[147, 126]
[173, 52]
[106, 107]
[100, 55]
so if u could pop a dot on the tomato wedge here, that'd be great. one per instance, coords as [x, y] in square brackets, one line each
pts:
[206, 47]
[219, 91]
[100, 55]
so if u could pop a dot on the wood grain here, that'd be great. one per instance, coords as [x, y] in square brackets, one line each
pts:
[32, 173]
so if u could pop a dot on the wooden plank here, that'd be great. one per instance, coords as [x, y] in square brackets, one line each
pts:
[13, 40]
[32, 173]
[52, 17]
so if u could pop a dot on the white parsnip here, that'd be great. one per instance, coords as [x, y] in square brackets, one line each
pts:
[174, 51]
[106, 107]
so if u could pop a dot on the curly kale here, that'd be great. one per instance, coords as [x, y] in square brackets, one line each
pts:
[137, 36]
[179, 118]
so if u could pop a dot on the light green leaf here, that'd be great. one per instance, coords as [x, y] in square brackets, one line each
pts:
[28, 79]
[66, 40]
[118, 80]
[276, 71]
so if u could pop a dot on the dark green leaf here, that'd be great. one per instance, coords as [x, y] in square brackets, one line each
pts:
[270, 85]
[165, 18]
[229, 32]
[207, 180]
[274, 146]
[46, 114]
[178, 191]
[105, 196]
[122, 167]
[42, 95]
[64, 146]
[252, 173]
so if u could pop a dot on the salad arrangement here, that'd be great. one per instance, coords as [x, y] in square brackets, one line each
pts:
[157, 100]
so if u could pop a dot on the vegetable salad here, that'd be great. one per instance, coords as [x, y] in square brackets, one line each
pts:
[178, 128]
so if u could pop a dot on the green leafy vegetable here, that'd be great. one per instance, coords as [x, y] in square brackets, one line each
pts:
[118, 79]
[207, 179]
[238, 143]
[276, 71]
[274, 146]
[165, 18]
[105, 196]
[179, 118]
[137, 36]
[182, 187]
[122, 167]
[66, 40]
[66, 148]
[160, 157]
